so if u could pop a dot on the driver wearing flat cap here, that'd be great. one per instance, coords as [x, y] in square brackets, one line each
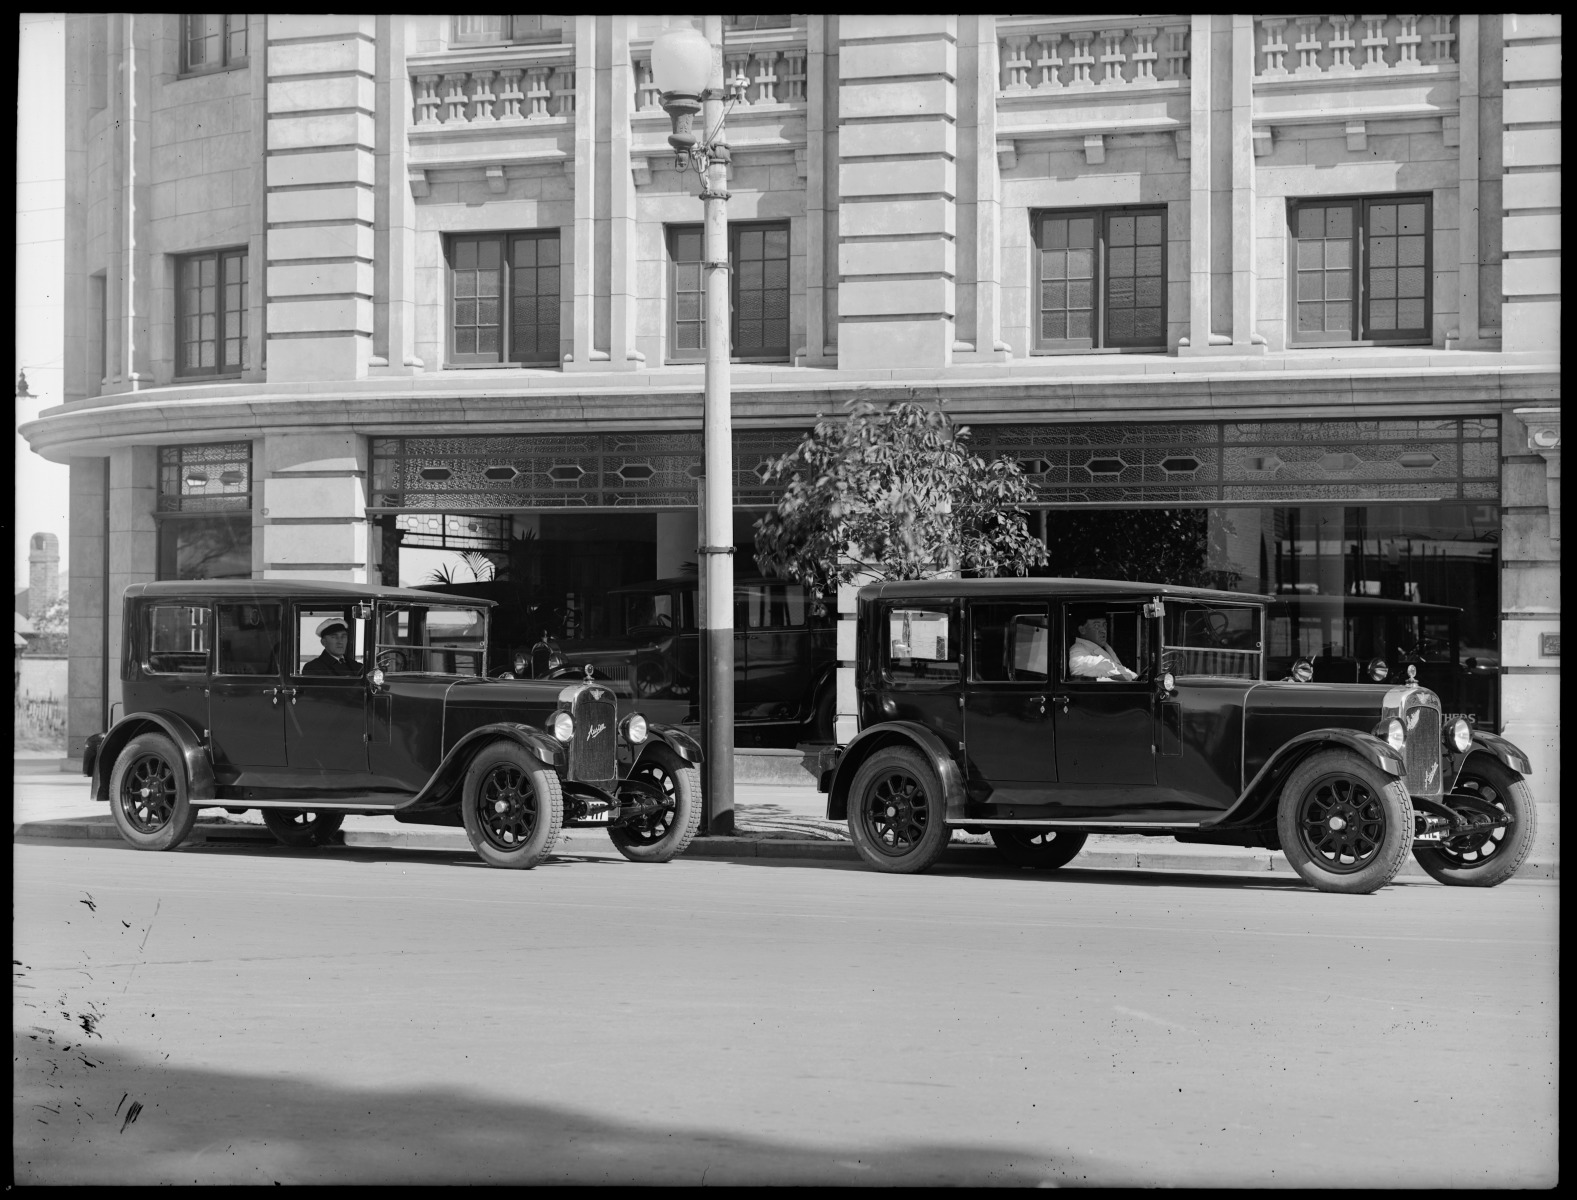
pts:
[334, 660]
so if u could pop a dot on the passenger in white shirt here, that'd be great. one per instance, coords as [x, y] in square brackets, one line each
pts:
[1091, 658]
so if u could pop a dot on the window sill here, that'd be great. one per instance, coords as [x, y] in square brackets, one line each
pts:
[1399, 343]
[1088, 350]
[546, 365]
[226, 377]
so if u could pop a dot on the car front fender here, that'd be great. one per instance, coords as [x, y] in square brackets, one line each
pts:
[189, 741]
[896, 733]
[1491, 743]
[442, 790]
[676, 739]
[1263, 789]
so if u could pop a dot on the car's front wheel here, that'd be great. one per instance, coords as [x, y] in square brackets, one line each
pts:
[148, 794]
[1345, 825]
[302, 827]
[512, 807]
[896, 816]
[660, 836]
[1487, 854]
[1038, 849]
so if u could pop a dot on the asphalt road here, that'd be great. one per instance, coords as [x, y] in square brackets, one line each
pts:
[356, 1015]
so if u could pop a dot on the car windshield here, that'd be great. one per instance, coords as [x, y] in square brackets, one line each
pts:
[431, 639]
[1218, 641]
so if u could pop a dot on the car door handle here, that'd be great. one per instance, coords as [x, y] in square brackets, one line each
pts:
[291, 692]
[1062, 700]
[1036, 706]
[273, 695]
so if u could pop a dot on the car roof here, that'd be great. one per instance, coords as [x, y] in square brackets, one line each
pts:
[1314, 600]
[290, 589]
[1027, 586]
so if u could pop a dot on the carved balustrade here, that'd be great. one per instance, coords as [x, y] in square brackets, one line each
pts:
[775, 75]
[460, 90]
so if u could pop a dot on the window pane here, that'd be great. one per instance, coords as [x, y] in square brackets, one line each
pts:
[464, 284]
[1119, 324]
[687, 306]
[777, 243]
[1311, 318]
[1120, 261]
[1382, 315]
[688, 337]
[1120, 291]
[489, 254]
[1120, 231]
[1382, 284]
[1409, 314]
[775, 273]
[1338, 222]
[487, 312]
[548, 251]
[1338, 317]
[1382, 252]
[750, 243]
[1382, 219]
[749, 275]
[465, 255]
[487, 282]
[1081, 232]
[1411, 218]
[1338, 285]
[1311, 285]
[1081, 264]
[487, 340]
[465, 312]
[1311, 222]
[1054, 266]
[525, 252]
[1410, 282]
[1338, 254]
[1081, 324]
[1054, 234]
[1150, 230]
[1148, 325]
[1054, 294]
[749, 308]
[1147, 292]
[1081, 294]
[1410, 251]
[1147, 260]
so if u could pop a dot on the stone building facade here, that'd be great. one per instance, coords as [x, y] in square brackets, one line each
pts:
[342, 289]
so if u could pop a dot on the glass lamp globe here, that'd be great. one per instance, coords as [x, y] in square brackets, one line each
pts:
[681, 61]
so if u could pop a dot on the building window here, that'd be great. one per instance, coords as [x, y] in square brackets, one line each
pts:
[1100, 275]
[210, 294]
[204, 511]
[504, 299]
[1362, 270]
[212, 41]
[490, 29]
[758, 281]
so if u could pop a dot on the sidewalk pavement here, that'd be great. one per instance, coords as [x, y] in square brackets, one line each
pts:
[50, 800]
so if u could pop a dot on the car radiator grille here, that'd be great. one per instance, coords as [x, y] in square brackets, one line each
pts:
[596, 734]
[1423, 750]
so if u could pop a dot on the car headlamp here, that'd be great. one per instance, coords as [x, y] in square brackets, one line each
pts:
[562, 725]
[1395, 733]
[1378, 670]
[635, 729]
[1461, 734]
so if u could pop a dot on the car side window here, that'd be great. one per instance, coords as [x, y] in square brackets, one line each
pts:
[1009, 642]
[176, 638]
[921, 644]
[249, 639]
[311, 645]
[1104, 642]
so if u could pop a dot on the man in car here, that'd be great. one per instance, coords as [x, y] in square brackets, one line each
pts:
[335, 636]
[1091, 658]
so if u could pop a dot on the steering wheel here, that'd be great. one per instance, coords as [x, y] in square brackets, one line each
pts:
[391, 660]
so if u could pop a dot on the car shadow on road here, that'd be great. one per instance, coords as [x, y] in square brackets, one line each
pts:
[101, 1114]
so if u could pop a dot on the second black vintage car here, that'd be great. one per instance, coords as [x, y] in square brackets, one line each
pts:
[312, 701]
[1044, 711]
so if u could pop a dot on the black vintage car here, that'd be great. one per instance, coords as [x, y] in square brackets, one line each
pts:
[313, 701]
[1047, 710]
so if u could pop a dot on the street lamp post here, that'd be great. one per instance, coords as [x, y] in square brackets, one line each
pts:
[687, 67]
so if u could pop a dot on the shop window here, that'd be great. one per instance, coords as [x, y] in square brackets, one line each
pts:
[490, 29]
[212, 42]
[210, 298]
[504, 299]
[758, 285]
[204, 511]
[1362, 270]
[1100, 279]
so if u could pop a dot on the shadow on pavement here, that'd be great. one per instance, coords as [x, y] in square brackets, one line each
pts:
[96, 1114]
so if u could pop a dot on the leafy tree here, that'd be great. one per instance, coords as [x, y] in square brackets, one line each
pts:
[53, 626]
[894, 492]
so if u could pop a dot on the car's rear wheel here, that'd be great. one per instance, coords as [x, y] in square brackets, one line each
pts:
[662, 835]
[512, 807]
[1039, 849]
[896, 816]
[1488, 854]
[1345, 825]
[302, 826]
[148, 794]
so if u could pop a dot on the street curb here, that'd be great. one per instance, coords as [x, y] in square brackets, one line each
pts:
[1209, 861]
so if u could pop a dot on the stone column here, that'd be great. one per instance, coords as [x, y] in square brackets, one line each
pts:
[587, 266]
[821, 190]
[897, 151]
[314, 506]
[87, 661]
[623, 226]
[1245, 280]
[1209, 175]
[128, 292]
[1531, 141]
[394, 225]
[1468, 170]
[321, 170]
[978, 336]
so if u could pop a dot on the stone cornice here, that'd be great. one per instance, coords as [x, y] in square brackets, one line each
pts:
[777, 398]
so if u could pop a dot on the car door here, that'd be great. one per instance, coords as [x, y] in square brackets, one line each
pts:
[774, 658]
[922, 665]
[326, 715]
[246, 704]
[1106, 728]
[1009, 725]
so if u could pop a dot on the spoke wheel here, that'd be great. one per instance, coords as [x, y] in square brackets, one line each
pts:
[1487, 854]
[896, 812]
[148, 794]
[1038, 849]
[302, 827]
[512, 807]
[660, 836]
[1345, 825]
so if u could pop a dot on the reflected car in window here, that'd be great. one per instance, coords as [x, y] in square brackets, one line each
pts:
[1046, 711]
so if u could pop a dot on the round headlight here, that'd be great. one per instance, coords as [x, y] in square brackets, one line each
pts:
[563, 726]
[1378, 670]
[376, 677]
[1461, 734]
[1169, 682]
[635, 729]
[1396, 733]
[1302, 670]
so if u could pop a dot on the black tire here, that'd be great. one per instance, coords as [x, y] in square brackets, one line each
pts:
[148, 794]
[660, 837]
[1345, 825]
[512, 807]
[302, 827]
[1491, 856]
[1038, 849]
[896, 814]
